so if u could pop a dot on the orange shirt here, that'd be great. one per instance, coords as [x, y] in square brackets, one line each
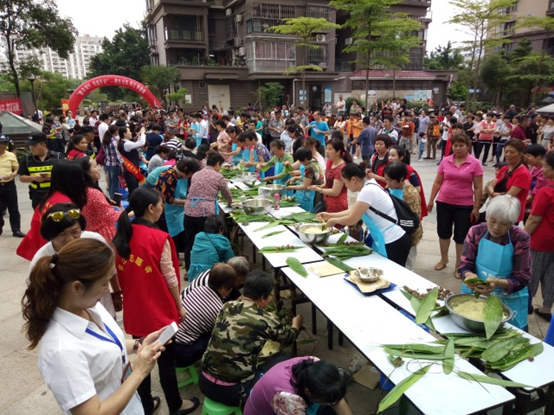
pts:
[356, 128]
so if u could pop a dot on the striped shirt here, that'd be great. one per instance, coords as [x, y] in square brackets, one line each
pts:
[173, 144]
[200, 281]
[203, 306]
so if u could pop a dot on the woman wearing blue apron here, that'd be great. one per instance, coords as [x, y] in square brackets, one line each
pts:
[281, 176]
[173, 184]
[499, 253]
[389, 239]
[250, 154]
[310, 174]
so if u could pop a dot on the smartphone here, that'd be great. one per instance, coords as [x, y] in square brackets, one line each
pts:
[168, 333]
[117, 198]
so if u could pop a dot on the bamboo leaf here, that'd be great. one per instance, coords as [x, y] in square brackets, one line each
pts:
[427, 306]
[498, 350]
[267, 235]
[401, 388]
[416, 347]
[490, 380]
[342, 239]
[296, 266]
[448, 362]
[339, 264]
[268, 226]
[407, 295]
[416, 303]
[492, 314]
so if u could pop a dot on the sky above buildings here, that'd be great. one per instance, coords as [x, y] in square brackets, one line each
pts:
[106, 16]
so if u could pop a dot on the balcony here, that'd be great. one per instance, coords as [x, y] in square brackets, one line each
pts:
[183, 35]
[421, 3]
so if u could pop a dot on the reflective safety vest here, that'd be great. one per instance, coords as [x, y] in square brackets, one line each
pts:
[36, 167]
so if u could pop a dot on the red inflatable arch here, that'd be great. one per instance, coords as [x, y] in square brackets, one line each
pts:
[110, 80]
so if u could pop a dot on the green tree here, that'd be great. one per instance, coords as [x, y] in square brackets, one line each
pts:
[160, 79]
[177, 97]
[526, 75]
[457, 91]
[124, 55]
[33, 24]
[305, 30]
[545, 25]
[481, 20]
[446, 58]
[269, 95]
[382, 38]
[50, 89]
[494, 72]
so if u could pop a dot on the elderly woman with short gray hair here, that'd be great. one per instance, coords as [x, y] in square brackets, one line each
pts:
[499, 253]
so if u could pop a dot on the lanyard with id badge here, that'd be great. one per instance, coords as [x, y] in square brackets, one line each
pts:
[115, 340]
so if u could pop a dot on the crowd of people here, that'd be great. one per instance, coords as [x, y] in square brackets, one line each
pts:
[169, 165]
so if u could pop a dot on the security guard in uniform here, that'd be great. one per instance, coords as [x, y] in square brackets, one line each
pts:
[48, 129]
[35, 169]
[8, 190]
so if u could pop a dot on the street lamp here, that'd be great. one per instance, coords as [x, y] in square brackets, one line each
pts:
[32, 78]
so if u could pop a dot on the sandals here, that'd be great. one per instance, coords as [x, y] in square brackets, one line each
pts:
[440, 266]
[543, 315]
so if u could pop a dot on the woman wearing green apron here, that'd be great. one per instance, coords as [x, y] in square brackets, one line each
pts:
[310, 174]
[389, 239]
[499, 253]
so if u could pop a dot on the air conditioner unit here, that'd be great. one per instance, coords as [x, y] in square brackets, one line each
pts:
[238, 19]
[228, 12]
[242, 51]
[236, 42]
[320, 38]
[348, 41]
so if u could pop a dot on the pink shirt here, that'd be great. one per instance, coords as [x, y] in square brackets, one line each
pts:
[486, 126]
[457, 185]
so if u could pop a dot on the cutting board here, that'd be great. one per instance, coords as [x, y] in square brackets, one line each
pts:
[324, 269]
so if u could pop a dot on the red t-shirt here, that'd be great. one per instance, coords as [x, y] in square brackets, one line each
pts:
[543, 205]
[520, 178]
[519, 132]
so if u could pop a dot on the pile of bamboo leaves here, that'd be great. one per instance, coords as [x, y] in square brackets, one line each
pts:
[232, 174]
[290, 220]
[343, 251]
[240, 217]
[500, 350]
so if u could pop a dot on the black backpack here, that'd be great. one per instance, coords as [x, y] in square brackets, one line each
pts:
[407, 218]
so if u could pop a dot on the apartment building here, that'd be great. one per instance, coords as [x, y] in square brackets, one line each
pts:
[539, 39]
[224, 51]
[78, 64]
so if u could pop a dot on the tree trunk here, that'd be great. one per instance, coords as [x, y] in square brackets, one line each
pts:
[13, 69]
[306, 101]
[366, 92]
[394, 84]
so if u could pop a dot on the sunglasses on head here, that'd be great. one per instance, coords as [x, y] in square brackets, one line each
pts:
[71, 214]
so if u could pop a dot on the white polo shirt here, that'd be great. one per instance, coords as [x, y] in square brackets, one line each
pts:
[77, 365]
[374, 195]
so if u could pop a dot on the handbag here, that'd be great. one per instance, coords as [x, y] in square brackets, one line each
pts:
[101, 156]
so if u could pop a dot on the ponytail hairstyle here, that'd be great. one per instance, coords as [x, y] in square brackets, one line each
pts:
[121, 131]
[352, 170]
[338, 146]
[52, 273]
[188, 165]
[76, 139]
[110, 132]
[321, 378]
[139, 201]
[403, 155]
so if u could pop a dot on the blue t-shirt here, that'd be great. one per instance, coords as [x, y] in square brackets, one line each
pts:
[367, 141]
[321, 126]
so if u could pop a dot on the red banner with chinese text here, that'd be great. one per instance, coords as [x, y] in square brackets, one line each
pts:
[11, 105]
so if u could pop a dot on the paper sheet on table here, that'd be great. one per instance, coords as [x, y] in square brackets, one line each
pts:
[325, 270]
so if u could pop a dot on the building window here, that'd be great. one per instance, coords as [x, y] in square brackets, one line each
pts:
[318, 56]
[212, 27]
[264, 16]
[509, 28]
[317, 11]
[270, 56]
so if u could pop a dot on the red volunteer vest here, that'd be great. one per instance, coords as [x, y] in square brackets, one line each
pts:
[424, 211]
[148, 303]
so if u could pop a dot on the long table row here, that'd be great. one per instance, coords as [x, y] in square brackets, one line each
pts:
[371, 321]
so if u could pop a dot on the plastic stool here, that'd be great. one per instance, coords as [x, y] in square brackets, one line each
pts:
[215, 408]
[193, 375]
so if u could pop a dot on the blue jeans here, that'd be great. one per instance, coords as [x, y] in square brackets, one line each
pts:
[113, 179]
